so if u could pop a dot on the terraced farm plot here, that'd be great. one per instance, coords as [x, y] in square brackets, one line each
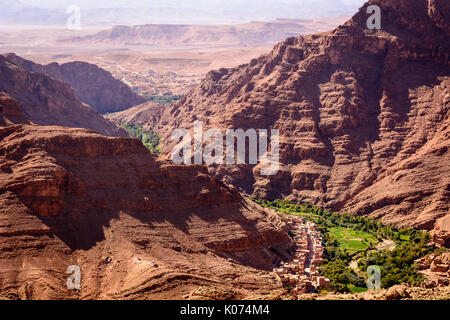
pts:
[353, 240]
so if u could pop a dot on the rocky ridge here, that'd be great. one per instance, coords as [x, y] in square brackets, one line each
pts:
[143, 115]
[46, 101]
[136, 226]
[91, 84]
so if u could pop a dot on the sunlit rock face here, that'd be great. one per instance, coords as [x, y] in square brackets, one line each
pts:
[363, 116]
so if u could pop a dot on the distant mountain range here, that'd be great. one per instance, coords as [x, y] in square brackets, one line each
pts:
[254, 33]
[17, 13]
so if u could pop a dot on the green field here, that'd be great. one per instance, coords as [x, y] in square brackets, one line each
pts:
[352, 240]
[348, 238]
[405, 237]
[356, 289]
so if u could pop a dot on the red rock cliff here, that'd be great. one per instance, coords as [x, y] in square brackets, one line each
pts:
[363, 116]
[137, 227]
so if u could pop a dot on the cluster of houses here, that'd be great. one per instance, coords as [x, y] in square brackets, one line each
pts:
[301, 274]
[155, 83]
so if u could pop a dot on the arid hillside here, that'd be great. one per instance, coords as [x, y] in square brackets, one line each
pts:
[91, 84]
[143, 115]
[137, 227]
[47, 101]
[363, 116]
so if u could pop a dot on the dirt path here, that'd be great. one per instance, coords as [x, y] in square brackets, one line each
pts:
[386, 245]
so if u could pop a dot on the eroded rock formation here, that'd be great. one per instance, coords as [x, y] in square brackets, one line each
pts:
[10, 111]
[363, 116]
[137, 227]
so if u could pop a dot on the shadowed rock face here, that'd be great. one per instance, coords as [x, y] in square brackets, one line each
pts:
[10, 112]
[47, 101]
[136, 226]
[91, 84]
[363, 116]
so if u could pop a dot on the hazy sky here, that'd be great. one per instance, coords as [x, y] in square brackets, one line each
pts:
[89, 4]
[183, 11]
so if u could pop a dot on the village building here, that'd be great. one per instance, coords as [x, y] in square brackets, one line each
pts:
[302, 272]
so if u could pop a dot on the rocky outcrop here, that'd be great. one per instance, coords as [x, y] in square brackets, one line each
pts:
[137, 227]
[441, 231]
[146, 115]
[363, 116]
[436, 269]
[47, 101]
[10, 112]
[91, 84]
